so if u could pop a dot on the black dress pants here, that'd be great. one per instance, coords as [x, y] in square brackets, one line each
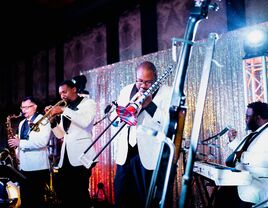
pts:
[227, 196]
[131, 184]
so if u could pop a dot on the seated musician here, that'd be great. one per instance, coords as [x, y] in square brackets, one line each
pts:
[251, 155]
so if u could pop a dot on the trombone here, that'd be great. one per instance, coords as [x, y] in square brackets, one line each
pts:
[134, 105]
[47, 116]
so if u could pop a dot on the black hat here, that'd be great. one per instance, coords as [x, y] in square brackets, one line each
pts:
[80, 82]
[85, 92]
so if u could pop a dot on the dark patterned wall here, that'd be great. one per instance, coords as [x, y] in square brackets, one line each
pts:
[129, 35]
[40, 72]
[256, 11]
[171, 22]
[52, 74]
[85, 51]
[21, 69]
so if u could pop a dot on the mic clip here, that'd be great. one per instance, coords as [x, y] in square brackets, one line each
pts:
[115, 103]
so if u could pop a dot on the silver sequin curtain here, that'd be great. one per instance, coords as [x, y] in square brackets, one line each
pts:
[224, 105]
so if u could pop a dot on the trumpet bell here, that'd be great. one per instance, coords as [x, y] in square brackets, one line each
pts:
[45, 118]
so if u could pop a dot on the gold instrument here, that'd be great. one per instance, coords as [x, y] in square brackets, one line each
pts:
[10, 194]
[45, 118]
[51, 199]
[10, 134]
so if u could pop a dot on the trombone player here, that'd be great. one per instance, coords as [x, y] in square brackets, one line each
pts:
[33, 155]
[74, 125]
[133, 152]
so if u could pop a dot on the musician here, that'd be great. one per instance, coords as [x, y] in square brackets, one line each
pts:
[33, 155]
[133, 172]
[252, 156]
[75, 127]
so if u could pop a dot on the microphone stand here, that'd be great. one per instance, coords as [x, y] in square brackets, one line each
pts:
[100, 119]
[106, 111]
[260, 204]
[217, 136]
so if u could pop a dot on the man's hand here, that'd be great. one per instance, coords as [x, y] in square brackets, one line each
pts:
[53, 112]
[57, 110]
[232, 133]
[14, 142]
[148, 100]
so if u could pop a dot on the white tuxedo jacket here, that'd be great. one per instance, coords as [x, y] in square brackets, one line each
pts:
[255, 160]
[79, 135]
[33, 152]
[147, 146]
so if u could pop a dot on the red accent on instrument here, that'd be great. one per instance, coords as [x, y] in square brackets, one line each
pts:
[127, 114]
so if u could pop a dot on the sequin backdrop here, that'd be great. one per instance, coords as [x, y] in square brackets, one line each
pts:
[224, 105]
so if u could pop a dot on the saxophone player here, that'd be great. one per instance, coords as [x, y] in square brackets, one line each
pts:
[33, 155]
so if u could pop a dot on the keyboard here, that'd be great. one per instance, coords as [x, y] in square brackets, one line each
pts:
[222, 175]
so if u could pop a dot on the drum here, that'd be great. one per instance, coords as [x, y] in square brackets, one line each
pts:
[9, 194]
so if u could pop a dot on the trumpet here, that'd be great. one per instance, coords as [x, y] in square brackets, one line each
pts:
[47, 116]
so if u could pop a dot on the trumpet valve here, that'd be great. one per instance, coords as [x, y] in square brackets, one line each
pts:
[47, 108]
[34, 127]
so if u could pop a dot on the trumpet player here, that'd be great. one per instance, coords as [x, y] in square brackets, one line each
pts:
[74, 125]
[133, 172]
[33, 155]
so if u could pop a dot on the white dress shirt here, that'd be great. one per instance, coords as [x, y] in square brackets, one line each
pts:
[148, 150]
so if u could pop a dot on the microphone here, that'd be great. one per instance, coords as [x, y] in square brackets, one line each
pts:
[106, 111]
[108, 108]
[227, 128]
[221, 133]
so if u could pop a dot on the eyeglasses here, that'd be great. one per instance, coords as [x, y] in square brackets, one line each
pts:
[26, 107]
[148, 82]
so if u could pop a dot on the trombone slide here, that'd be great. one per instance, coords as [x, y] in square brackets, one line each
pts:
[86, 160]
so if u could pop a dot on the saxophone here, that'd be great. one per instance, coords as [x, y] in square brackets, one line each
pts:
[10, 134]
